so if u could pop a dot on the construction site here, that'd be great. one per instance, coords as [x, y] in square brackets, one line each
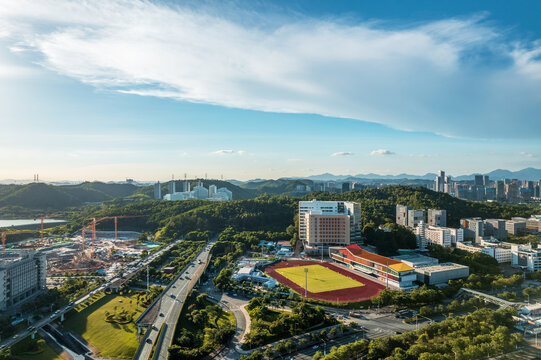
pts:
[86, 251]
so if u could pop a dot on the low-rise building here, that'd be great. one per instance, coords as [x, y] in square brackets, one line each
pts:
[515, 226]
[416, 260]
[393, 272]
[498, 251]
[441, 273]
[437, 235]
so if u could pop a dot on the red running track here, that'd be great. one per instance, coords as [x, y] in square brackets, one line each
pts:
[360, 293]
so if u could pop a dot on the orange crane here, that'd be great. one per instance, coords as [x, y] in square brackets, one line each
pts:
[96, 221]
[42, 222]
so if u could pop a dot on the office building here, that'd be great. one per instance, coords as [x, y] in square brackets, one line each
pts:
[486, 180]
[474, 228]
[157, 191]
[21, 277]
[502, 254]
[526, 257]
[437, 217]
[390, 271]
[172, 187]
[328, 223]
[500, 190]
[437, 235]
[515, 226]
[402, 214]
[346, 187]
[496, 228]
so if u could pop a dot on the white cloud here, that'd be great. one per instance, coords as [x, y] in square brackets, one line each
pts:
[425, 77]
[241, 152]
[526, 154]
[224, 152]
[381, 152]
[342, 153]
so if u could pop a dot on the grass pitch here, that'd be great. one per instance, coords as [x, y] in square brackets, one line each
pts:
[320, 278]
[111, 339]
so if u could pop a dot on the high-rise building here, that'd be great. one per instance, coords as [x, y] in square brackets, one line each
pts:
[437, 217]
[346, 187]
[474, 228]
[486, 180]
[212, 190]
[21, 277]
[415, 217]
[478, 180]
[495, 228]
[402, 214]
[440, 182]
[500, 190]
[157, 191]
[326, 223]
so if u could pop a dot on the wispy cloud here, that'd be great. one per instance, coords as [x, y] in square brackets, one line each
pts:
[526, 154]
[223, 152]
[422, 77]
[342, 153]
[381, 152]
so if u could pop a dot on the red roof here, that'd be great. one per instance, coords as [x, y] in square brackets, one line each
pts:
[357, 251]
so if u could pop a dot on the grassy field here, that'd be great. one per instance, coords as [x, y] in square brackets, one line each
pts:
[320, 278]
[111, 339]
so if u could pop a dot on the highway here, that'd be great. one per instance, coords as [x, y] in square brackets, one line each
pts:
[169, 308]
[128, 269]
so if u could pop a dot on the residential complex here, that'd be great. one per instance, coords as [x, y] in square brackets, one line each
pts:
[482, 189]
[438, 235]
[406, 216]
[328, 223]
[22, 275]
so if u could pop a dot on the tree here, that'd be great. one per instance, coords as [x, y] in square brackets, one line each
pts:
[318, 355]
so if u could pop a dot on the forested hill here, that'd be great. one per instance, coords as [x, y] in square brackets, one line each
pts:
[44, 196]
[379, 205]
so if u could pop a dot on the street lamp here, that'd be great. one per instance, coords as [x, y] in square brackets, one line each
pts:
[305, 282]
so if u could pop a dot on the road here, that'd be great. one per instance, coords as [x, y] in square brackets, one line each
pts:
[129, 269]
[170, 307]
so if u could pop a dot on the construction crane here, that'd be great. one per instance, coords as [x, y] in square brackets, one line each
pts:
[42, 222]
[95, 221]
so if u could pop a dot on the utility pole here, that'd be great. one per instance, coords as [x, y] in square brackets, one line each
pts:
[305, 282]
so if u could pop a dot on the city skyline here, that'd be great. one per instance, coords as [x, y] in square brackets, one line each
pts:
[266, 90]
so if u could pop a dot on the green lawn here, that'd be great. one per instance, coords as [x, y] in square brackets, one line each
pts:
[320, 278]
[111, 339]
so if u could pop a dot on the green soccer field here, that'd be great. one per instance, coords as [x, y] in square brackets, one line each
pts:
[320, 278]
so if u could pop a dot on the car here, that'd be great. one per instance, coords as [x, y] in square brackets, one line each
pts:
[315, 347]
[174, 286]
[149, 341]
[172, 296]
[15, 336]
[162, 315]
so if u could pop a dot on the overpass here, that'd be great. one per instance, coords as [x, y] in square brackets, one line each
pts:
[488, 298]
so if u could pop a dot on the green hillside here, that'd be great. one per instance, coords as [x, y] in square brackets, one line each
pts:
[276, 187]
[43, 196]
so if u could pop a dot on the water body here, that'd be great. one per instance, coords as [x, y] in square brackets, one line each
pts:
[26, 222]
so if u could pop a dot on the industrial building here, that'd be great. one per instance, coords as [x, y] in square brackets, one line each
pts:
[22, 275]
[441, 273]
[199, 192]
[328, 223]
[393, 272]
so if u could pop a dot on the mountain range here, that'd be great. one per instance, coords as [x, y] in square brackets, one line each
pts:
[530, 174]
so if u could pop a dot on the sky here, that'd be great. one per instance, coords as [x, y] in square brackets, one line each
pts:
[116, 89]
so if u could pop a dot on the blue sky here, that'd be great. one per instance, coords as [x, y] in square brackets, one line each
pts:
[112, 89]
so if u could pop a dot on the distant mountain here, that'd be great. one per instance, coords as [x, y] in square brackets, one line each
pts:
[530, 174]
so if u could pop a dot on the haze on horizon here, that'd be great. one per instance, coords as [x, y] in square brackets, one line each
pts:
[108, 90]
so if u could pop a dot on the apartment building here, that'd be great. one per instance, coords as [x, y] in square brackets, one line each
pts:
[516, 226]
[438, 235]
[21, 276]
[328, 223]
[437, 217]
[402, 214]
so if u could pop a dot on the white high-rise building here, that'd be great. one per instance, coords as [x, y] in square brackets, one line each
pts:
[212, 190]
[438, 235]
[415, 217]
[328, 223]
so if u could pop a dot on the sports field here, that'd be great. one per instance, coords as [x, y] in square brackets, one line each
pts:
[326, 281]
[319, 278]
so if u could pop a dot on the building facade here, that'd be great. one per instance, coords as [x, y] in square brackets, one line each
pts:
[402, 214]
[21, 277]
[394, 273]
[437, 217]
[525, 256]
[328, 223]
